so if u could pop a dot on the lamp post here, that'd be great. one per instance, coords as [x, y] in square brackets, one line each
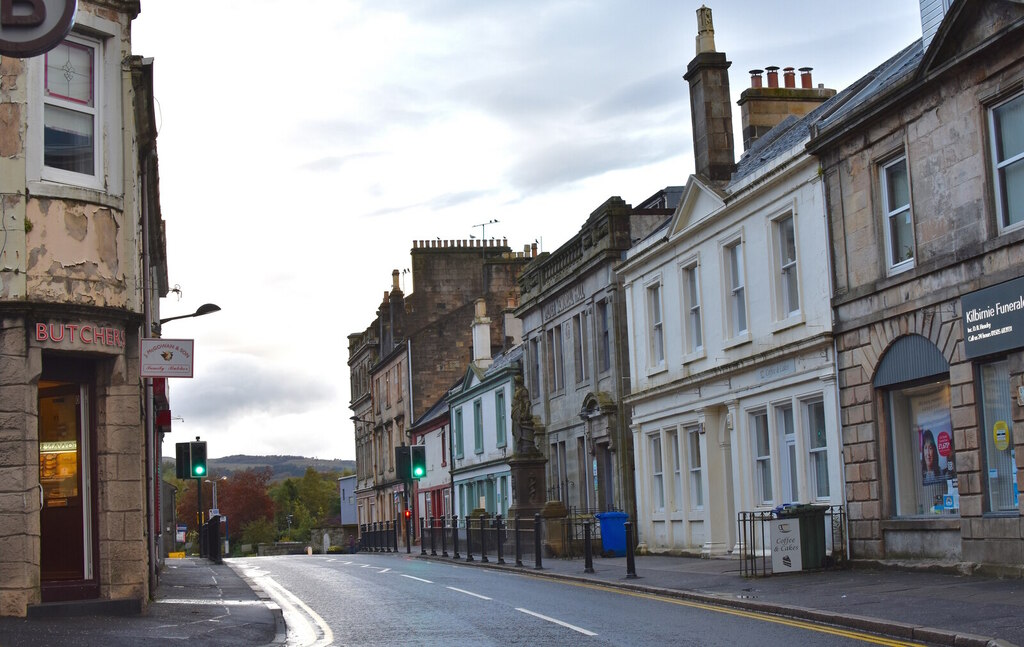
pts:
[214, 511]
[153, 447]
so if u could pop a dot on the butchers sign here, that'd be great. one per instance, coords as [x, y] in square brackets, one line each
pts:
[166, 357]
[32, 27]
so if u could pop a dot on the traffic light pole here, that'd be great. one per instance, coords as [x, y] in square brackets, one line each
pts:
[408, 520]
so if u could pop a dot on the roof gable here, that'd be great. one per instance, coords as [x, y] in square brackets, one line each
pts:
[969, 26]
[700, 200]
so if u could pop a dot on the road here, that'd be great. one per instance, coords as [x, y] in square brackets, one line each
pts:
[383, 599]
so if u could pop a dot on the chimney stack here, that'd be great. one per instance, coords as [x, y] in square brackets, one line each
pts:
[710, 105]
[481, 335]
[763, 108]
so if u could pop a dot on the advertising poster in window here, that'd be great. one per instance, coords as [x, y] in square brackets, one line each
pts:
[935, 438]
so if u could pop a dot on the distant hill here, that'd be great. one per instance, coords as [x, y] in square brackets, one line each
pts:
[283, 467]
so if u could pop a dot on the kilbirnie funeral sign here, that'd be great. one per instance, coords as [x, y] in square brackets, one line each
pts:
[993, 319]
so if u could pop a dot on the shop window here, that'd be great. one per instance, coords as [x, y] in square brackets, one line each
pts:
[913, 378]
[657, 480]
[762, 457]
[817, 448]
[696, 485]
[923, 457]
[1007, 131]
[997, 423]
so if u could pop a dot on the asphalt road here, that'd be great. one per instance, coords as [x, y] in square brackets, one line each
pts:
[369, 599]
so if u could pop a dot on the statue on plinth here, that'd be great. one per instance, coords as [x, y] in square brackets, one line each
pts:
[522, 420]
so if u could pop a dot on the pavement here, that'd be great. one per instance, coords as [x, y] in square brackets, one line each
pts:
[199, 603]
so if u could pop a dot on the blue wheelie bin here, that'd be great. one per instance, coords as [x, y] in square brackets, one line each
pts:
[613, 533]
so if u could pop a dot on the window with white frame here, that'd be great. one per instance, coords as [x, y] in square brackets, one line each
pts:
[657, 477]
[899, 225]
[677, 471]
[457, 439]
[762, 457]
[580, 345]
[478, 426]
[787, 286]
[695, 464]
[654, 326]
[736, 298]
[500, 434]
[1007, 131]
[786, 433]
[817, 448]
[71, 80]
[694, 335]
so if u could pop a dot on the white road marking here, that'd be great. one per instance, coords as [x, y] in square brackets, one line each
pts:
[475, 595]
[211, 602]
[385, 570]
[557, 622]
[418, 579]
[300, 632]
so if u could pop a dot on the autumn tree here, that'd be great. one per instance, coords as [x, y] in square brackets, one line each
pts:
[305, 503]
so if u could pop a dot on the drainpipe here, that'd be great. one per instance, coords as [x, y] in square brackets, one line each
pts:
[153, 518]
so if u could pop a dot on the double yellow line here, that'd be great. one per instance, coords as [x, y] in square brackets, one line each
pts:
[753, 615]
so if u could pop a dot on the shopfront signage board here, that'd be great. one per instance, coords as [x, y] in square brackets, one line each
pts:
[993, 319]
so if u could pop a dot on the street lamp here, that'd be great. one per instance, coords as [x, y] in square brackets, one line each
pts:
[358, 419]
[205, 309]
[214, 511]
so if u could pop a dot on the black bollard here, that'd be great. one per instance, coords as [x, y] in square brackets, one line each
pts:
[444, 540]
[483, 538]
[501, 539]
[536, 541]
[423, 536]
[519, 546]
[469, 539]
[588, 551]
[394, 532]
[630, 560]
[455, 536]
[433, 551]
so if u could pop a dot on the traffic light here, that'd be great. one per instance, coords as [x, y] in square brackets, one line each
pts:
[418, 461]
[198, 463]
[190, 460]
[183, 460]
[402, 462]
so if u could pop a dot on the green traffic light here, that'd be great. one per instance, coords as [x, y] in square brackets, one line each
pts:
[199, 470]
[418, 471]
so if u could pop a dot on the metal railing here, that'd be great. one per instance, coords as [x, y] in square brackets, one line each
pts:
[755, 541]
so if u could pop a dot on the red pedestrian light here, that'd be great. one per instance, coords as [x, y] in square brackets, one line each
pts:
[408, 514]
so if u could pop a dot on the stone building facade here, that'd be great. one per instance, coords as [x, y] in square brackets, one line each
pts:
[421, 346]
[576, 361]
[923, 168]
[81, 270]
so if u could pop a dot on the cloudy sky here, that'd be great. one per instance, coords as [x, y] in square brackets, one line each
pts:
[305, 145]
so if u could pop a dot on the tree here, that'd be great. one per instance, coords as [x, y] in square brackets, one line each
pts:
[243, 499]
[305, 503]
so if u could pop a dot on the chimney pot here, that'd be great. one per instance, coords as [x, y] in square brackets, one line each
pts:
[805, 78]
[773, 76]
[789, 77]
[755, 78]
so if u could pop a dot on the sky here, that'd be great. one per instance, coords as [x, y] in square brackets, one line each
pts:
[304, 146]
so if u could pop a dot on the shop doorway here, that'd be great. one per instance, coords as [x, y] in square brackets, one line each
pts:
[67, 523]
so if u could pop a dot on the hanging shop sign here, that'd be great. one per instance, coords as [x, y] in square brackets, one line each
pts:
[166, 357]
[32, 27]
[993, 319]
